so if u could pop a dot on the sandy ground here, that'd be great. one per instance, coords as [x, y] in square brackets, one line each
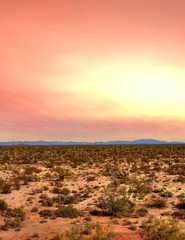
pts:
[78, 183]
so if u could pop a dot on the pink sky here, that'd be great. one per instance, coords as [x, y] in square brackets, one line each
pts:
[92, 70]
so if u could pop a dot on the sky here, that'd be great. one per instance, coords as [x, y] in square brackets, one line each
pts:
[82, 70]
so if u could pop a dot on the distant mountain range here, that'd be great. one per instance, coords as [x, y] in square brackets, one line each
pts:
[139, 141]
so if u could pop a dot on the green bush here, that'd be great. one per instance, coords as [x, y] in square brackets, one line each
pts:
[62, 173]
[16, 213]
[14, 223]
[167, 194]
[68, 211]
[140, 189]
[116, 202]
[158, 190]
[162, 229]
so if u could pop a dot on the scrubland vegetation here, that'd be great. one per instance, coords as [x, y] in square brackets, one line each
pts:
[100, 192]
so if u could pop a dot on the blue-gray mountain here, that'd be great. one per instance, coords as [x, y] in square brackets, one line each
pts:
[139, 141]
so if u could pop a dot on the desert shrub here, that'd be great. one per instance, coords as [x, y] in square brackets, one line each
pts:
[16, 182]
[68, 211]
[65, 191]
[30, 170]
[181, 179]
[62, 173]
[48, 164]
[58, 184]
[167, 194]
[99, 213]
[34, 209]
[38, 190]
[142, 212]
[47, 175]
[114, 183]
[6, 188]
[46, 213]
[87, 230]
[14, 223]
[3, 205]
[177, 168]
[71, 199]
[16, 213]
[25, 179]
[179, 214]
[163, 229]
[103, 233]
[60, 198]
[56, 190]
[158, 190]
[45, 188]
[157, 203]
[58, 237]
[116, 202]
[35, 235]
[77, 233]
[2, 181]
[91, 178]
[116, 171]
[140, 189]
[44, 196]
[181, 203]
[47, 202]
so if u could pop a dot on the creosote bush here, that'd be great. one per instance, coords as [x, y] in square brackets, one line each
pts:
[167, 194]
[140, 189]
[162, 229]
[117, 202]
[68, 211]
[16, 213]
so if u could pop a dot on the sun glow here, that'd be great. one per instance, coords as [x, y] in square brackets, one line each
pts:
[138, 88]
